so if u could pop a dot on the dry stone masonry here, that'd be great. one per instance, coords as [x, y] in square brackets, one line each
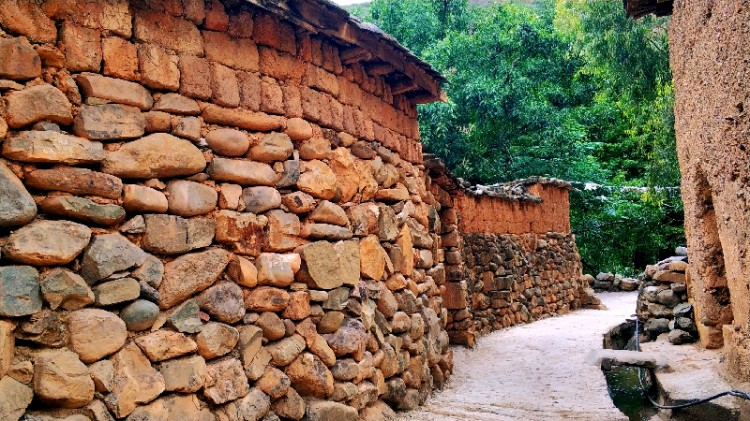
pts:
[213, 211]
[509, 255]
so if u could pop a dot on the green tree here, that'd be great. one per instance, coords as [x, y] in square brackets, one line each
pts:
[569, 88]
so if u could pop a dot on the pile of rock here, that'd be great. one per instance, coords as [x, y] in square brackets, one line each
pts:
[228, 224]
[663, 302]
[607, 281]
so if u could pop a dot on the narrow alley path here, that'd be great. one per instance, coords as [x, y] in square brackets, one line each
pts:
[533, 372]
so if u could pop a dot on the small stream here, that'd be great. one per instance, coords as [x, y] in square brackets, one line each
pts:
[627, 394]
[625, 388]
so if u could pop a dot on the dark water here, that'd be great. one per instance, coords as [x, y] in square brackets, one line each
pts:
[627, 394]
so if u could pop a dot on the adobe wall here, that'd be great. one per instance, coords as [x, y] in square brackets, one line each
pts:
[207, 214]
[709, 50]
[480, 213]
[510, 257]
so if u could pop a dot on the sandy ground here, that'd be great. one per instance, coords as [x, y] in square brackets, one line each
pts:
[533, 372]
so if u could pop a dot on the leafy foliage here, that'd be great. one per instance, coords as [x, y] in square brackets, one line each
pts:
[565, 88]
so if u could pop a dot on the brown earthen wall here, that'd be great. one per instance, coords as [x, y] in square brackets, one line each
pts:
[206, 215]
[492, 215]
[709, 50]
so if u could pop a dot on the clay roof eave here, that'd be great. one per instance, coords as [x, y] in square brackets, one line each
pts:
[421, 83]
[637, 9]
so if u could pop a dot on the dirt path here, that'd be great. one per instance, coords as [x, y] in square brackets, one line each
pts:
[533, 372]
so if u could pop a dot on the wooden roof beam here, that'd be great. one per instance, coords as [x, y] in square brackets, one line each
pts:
[354, 55]
[379, 69]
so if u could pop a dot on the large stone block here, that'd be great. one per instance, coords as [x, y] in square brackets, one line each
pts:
[328, 265]
[173, 407]
[174, 235]
[225, 90]
[317, 179]
[195, 77]
[20, 294]
[228, 142]
[120, 58]
[109, 122]
[27, 18]
[244, 232]
[144, 199]
[37, 103]
[135, 381]
[47, 243]
[158, 68]
[110, 15]
[170, 32]
[189, 198]
[52, 147]
[17, 207]
[82, 209]
[189, 274]
[226, 381]
[82, 48]
[115, 90]
[239, 54]
[240, 118]
[61, 379]
[15, 397]
[76, 181]
[107, 254]
[95, 333]
[155, 156]
[18, 60]
[245, 173]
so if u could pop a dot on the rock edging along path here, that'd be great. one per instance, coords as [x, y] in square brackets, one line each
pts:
[532, 372]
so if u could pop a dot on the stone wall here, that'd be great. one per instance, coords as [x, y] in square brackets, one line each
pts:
[509, 255]
[516, 279]
[709, 47]
[207, 213]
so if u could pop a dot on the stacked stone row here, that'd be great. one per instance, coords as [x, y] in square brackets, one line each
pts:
[228, 224]
[451, 276]
[521, 278]
[663, 302]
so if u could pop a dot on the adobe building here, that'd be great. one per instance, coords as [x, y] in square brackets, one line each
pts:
[709, 51]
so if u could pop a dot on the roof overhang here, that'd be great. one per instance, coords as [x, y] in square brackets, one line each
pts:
[364, 43]
[638, 8]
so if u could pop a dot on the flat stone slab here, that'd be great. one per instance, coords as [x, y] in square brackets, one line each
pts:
[624, 357]
[692, 373]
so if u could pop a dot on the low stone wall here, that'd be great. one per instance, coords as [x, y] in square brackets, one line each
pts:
[206, 213]
[509, 255]
[520, 278]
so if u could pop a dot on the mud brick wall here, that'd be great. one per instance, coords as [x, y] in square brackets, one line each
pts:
[480, 213]
[205, 214]
[709, 47]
